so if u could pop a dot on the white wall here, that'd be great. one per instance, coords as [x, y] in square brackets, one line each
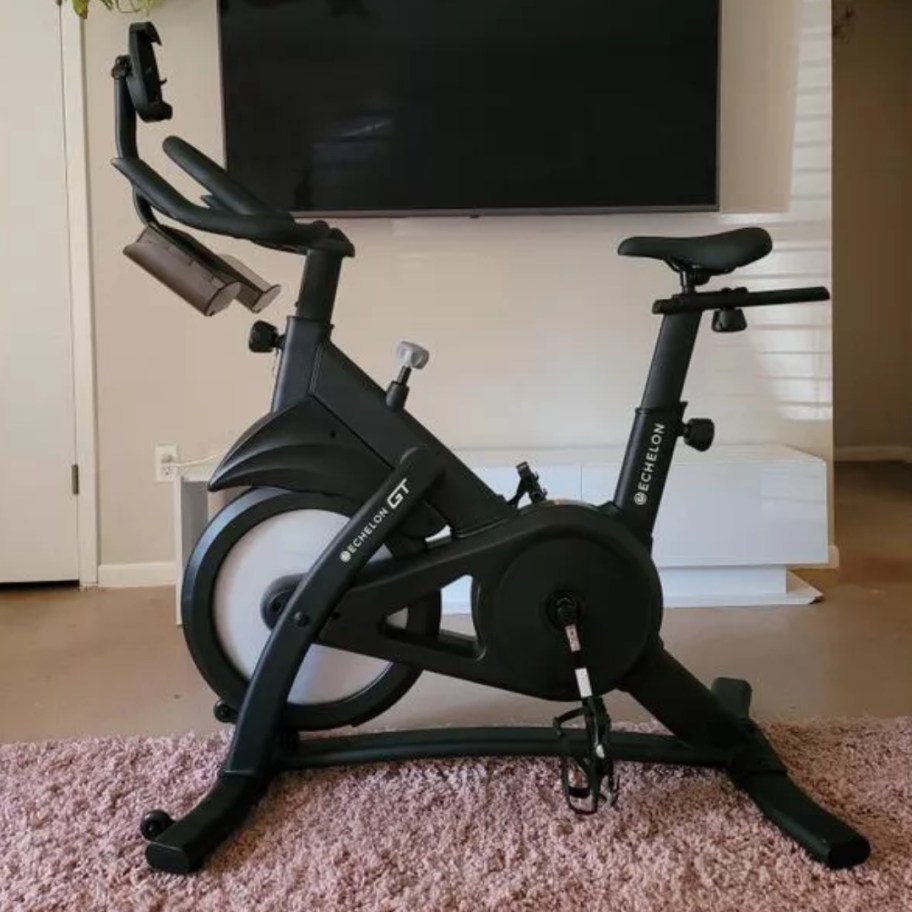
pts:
[539, 334]
[38, 518]
[872, 229]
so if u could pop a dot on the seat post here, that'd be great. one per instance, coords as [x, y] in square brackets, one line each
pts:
[657, 425]
[691, 277]
[688, 286]
[671, 360]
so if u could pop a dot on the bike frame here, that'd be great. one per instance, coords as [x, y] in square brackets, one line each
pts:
[342, 600]
[332, 433]
[313, 370]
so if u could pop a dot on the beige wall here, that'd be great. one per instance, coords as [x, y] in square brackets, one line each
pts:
[539, 334]
[872, 227]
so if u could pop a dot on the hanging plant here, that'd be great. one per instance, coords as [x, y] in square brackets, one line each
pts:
[81, 7]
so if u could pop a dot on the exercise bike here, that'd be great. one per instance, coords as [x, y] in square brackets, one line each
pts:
[312, 600]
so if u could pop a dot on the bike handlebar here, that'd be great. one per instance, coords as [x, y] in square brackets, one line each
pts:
[238, 212]
[729, 298]
[226, 190]
[272, 229]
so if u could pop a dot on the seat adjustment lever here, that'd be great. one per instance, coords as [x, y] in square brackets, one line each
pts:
[729, 320]
[699, 433]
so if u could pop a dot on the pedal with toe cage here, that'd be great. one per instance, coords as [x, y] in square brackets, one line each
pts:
[582, 777]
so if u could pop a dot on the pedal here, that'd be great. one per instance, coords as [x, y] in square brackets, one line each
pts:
[584, 794]
[582, 778]
[528, 485]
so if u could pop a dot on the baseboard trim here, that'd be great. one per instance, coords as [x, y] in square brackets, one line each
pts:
[832, 561]
[884, 453]
[136, 576]
[701, 588]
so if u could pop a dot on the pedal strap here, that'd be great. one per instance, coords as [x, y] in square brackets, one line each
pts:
[582, 777]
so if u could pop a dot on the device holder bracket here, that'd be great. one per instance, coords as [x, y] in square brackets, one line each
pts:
[206, 281]
[143, 80]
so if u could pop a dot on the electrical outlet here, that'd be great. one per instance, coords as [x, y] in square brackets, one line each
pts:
[165, 462]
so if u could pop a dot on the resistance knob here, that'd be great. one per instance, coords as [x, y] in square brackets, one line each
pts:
[411, 355]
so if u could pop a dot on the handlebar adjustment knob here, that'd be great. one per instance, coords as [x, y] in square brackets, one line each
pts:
[264, 337]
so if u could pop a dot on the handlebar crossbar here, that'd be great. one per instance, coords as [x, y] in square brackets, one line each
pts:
[729, 298]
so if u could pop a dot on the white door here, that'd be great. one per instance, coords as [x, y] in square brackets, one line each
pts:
[38, 528]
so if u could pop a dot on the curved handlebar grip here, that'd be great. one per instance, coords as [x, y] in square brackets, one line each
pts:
[271, 229]
[214, 178]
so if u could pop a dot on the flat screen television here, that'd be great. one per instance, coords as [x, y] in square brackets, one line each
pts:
[385, 107]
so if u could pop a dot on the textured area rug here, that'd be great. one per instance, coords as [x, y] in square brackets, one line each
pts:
[458, 835]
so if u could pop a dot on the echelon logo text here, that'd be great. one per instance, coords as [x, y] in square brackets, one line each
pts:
[393, 502]
[641, 498]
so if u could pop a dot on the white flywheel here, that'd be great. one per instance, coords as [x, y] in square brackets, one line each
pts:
[286, 545]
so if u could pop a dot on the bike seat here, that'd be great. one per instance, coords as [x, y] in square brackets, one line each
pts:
[714, 253]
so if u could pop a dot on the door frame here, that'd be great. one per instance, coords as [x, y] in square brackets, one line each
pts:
[82, 319]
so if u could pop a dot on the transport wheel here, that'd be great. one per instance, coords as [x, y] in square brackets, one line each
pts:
[154, 823]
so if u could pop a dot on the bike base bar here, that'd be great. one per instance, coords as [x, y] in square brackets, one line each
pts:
[752, 765]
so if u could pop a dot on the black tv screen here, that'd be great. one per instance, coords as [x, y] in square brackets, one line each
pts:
[472, 106]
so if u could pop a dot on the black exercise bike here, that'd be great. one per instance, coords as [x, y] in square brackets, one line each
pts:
[375, 516]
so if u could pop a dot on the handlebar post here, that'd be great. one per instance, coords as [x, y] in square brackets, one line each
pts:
[318, 286]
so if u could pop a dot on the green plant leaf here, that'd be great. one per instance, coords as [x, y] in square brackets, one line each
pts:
[81, 7]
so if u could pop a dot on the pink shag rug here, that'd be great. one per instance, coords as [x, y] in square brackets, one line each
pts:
[458, 835]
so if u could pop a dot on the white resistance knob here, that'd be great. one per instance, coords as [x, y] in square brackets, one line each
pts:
[412, 356]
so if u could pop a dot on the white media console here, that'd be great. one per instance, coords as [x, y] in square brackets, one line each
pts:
[732, 522]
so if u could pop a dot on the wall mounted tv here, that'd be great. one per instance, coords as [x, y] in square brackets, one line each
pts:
[381, 107]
